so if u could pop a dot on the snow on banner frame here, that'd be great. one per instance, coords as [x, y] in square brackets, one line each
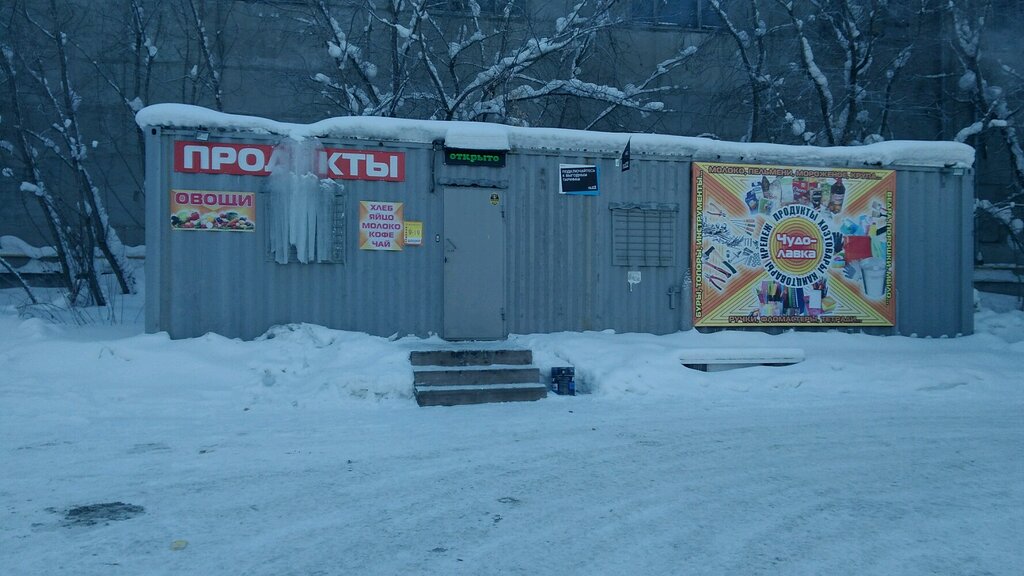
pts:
[792, 246]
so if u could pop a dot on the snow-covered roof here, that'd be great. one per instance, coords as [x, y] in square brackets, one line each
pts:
[476, 135]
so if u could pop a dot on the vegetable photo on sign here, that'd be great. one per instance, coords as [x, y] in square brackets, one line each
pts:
[213, 211]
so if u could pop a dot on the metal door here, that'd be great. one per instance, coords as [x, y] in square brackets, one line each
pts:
[474, 263]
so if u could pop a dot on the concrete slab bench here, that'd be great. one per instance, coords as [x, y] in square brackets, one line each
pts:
[714, 359]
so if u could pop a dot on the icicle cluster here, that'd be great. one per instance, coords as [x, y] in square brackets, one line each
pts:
[301, 204]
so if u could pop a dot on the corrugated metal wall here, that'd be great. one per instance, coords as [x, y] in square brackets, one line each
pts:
[559, 270]
[560, 249]
[934, 262]
[226, 283]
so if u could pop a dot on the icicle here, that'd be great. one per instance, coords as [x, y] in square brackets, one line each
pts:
[301, 206]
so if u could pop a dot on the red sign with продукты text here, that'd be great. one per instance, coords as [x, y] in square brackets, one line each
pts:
[254, 160]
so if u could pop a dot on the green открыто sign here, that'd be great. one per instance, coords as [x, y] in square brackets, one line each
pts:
[460, 157]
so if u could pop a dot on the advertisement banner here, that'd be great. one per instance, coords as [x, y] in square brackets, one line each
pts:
[792, 246]
[578, 179]
[413, 233]
[213, 211]
[381, 225]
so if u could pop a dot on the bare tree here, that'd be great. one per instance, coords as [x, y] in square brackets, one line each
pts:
[752, 51]
[990, 104]
[74, 263]
[65, 106]
[199, 51]
[58, 97]
[852, 33]
[994, 109]
[467, 67]
[142, 49]
[209, 59]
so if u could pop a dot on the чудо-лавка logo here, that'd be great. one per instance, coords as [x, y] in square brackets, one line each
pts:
[796, 245]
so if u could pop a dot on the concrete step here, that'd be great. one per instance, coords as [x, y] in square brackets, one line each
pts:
[475, 375]
[479, 394]
[470, 357]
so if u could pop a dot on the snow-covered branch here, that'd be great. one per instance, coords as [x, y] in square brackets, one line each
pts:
[992, 111]
[838, 42]
[145, 50]
[825, 99]
[364, 96]
[991, 108]
[65, 107]
[568, 30]
[208, 55]
[467, 67]
[752, 55]
[631, 94]
[69, 258]
[857, 48]
[891, 74]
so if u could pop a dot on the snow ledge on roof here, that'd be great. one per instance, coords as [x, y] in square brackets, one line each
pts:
[475, 135]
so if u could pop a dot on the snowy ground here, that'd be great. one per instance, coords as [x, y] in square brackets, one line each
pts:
[304, 454]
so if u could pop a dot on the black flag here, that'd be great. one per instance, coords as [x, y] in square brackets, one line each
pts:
[624, 160]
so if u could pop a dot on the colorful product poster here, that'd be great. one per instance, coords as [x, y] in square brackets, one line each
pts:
[792, 246]
[213, 211]
[381, 225]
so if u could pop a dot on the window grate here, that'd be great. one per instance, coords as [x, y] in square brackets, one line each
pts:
[338, 229]
[644, 235]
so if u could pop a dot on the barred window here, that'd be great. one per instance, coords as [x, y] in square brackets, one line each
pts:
[643, 234]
